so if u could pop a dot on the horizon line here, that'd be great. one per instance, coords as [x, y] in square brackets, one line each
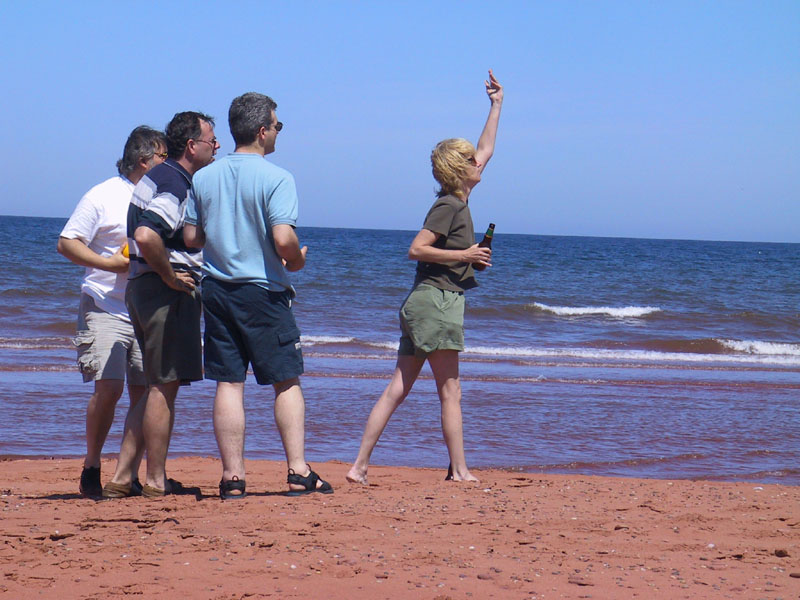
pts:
[501, 234]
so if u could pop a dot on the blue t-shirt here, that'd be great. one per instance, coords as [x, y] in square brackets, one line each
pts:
[237, 200]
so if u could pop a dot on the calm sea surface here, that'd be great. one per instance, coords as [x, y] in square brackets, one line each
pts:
[600, 356]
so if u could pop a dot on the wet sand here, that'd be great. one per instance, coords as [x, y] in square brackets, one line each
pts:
[409, 534]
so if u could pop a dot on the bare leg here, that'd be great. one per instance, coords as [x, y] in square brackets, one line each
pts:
[99, 416]
[290, 417]
[444, 364]
[132, 439]
[405, 374]
[229, 426]
[132, 447]
[159, 415]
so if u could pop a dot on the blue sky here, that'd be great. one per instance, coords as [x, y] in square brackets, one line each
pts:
[640, 119]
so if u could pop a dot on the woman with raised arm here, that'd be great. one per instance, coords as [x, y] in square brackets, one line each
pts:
[432, 316]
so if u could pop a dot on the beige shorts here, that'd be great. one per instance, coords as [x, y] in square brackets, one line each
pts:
[431, 319]
[107, 346]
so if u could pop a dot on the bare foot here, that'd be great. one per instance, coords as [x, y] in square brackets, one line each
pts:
[464, 475]
[355, 475]
[467, 477]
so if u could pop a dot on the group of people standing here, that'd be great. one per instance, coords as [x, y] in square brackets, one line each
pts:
[175, 217]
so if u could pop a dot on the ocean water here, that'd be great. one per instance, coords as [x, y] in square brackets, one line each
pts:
[599, 356]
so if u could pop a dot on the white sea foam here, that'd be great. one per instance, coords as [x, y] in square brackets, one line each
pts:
[314, 340]
[625, 312]
[311, 340]
[762, 348]
[34, 343]
[595, 354]
[386, 345]
[749, 351]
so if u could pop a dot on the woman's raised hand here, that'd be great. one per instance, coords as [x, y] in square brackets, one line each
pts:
[493, 89]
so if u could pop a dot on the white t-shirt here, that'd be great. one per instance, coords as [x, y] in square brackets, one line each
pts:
[100, 222]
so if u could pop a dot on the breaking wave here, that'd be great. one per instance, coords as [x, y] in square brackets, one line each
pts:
[783, 359]
[36, 343]
[626, 312]
[761, 348]
[313, 340]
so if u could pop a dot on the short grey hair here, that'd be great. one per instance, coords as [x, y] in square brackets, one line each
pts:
[248, 114]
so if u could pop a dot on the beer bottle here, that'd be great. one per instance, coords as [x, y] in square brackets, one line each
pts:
[486, 242]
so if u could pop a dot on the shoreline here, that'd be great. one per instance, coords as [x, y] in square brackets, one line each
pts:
[515, 469]
[409, 534]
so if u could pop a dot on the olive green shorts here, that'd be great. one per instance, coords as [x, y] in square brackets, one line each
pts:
[431, 319]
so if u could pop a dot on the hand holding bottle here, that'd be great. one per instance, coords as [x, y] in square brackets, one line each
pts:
[486, 242]
[478, 256]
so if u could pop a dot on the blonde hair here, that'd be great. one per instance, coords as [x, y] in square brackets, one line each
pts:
[450, 161]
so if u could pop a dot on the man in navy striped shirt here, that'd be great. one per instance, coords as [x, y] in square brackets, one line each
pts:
[161, 297]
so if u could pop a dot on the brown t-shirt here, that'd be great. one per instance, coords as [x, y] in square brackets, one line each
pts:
[449, 217]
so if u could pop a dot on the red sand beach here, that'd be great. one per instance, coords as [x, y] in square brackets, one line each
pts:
[409, 534]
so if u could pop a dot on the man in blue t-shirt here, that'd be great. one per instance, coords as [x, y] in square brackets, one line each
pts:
[243, 212]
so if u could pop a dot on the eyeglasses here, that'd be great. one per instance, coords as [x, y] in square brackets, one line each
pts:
[161, 155]
[278, 125]
[212, 141]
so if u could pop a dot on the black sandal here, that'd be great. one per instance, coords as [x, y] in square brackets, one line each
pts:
[231, 489]
[309, 482]
[449, 472]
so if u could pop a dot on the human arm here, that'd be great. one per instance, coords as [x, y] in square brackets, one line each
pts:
[282, 213]
[79, 253]
[288, 247]
[194, 236]
[422, 248]
[90, 238]
[485, 147]
[152, 249]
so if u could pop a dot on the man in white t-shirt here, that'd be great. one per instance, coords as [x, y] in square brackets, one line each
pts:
[95, 237]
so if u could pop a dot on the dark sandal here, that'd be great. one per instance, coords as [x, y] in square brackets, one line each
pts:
[175, 487]
[449, 472]
[90, 486]
[232, 489]
[309, 482]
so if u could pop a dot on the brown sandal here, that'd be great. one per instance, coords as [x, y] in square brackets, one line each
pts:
[116, 490]
[149, 491]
